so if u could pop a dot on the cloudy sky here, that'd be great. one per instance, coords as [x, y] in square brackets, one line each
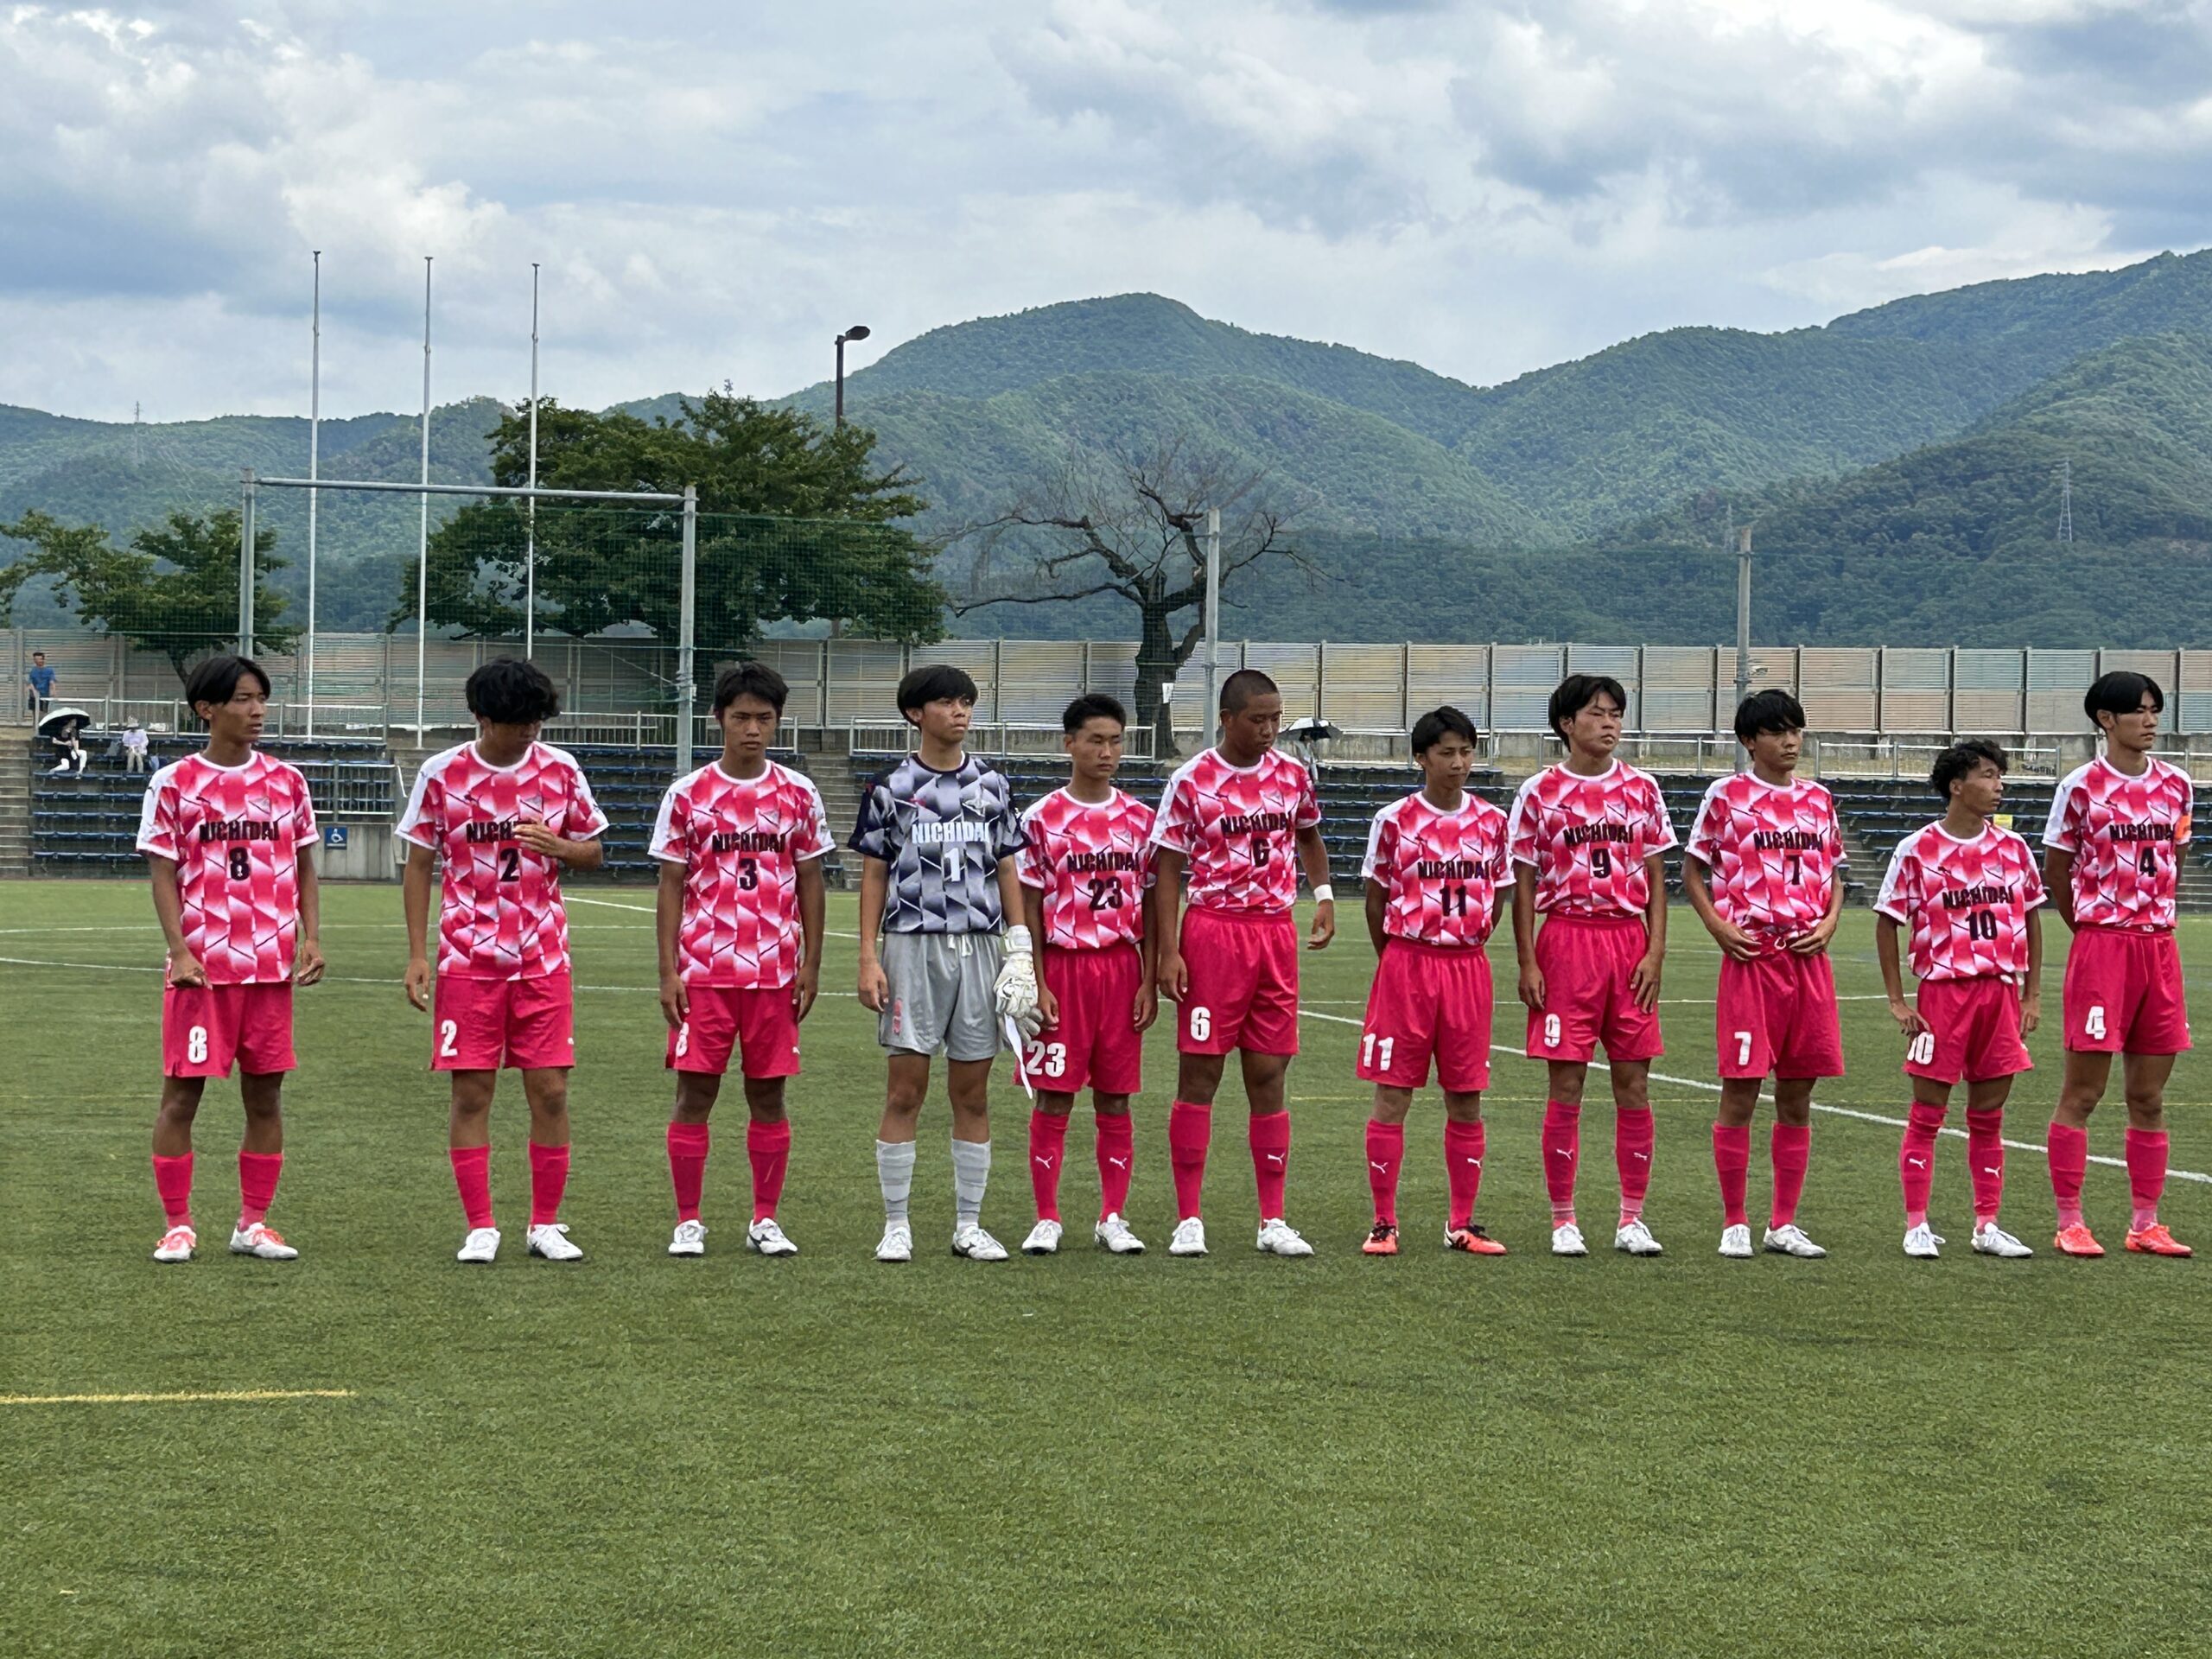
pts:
[1484, 187]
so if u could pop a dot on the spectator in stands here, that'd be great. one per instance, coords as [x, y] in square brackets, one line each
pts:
[40, 681]
[72, 755]
[133, 744]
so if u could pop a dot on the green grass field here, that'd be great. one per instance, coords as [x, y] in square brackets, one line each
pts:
[1239, 1455]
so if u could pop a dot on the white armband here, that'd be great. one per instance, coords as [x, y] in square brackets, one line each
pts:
[1324, 894]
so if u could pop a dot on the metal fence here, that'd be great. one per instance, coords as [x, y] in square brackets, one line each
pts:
[626, 689]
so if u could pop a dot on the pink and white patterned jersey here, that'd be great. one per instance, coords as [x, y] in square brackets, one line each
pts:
[499, 916]
[1238, 829]
[2127, 835]
[1093, 863]
[1772, 851]
[1587, 838]
[1441, 870]
[234, 834]
[1964, 904]
[740, 842]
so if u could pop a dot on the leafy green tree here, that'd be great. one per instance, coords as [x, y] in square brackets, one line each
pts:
[174, 589]
[797, 523]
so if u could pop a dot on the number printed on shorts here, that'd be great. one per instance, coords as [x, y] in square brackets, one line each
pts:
[684, 1039]
[1046, 1059]
[1743, 1048]
[1201, 1024]
[2092, 1023]
[1922, 1049]
[1551, 1031]
[1371, 1045]
[449, 1039]
[195, 1045]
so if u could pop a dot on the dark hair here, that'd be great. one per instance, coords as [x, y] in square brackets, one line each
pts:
[1961, 759]
[216, 680]
[38, 653]
[1242, 687]
[1577, 692]
[1438, 724]
[750, 679]
[508, 691]
[934, 681]
[2120, 692]
[1771, 711]
[1092, 705]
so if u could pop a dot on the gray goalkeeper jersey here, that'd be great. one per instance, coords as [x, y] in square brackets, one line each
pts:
[941, 835]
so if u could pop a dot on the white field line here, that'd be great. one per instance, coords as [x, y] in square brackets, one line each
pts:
[172, 1399]
[1712, 1088]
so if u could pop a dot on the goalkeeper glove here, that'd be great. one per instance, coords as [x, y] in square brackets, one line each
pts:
[1014, 992]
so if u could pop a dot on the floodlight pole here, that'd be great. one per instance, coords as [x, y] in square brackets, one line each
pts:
[245, 568]
[1742, 629]
[1213, 627]
[686, 626]
[530, 540]
[314, 465]
[422, 546]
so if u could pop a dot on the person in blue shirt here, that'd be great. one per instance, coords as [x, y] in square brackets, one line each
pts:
[40, 681]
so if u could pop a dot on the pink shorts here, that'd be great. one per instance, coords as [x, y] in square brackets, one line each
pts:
[206, 1027]
[482, 1025]
[1585, 962]
[1243, 983]
[1096, 1043]
[1777, 1014]
[1428, 1001]
[2124, 994]
[759, 1021]
[1973, 1031]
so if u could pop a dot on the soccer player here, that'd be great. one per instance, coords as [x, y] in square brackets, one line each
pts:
[1760, 871]
[2111, 853]
[1242, 819]
[1587, 838]
[1966, 891]
[1085, 870]
[937, 835]
[739, 916]
[505, 814]
[228, 834]
[1435, 873]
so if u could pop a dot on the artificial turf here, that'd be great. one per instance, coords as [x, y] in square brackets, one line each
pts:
[635, 1455]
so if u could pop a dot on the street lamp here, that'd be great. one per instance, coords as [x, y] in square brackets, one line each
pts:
[858, 331]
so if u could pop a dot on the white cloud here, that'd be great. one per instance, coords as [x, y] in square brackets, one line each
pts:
[1483, 187]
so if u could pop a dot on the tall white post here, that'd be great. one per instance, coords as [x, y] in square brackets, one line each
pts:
[314, 465]
[1213, 627]
[1742, 629]
[686, 629]
[246, 567]
[422, 546]
[529, 543]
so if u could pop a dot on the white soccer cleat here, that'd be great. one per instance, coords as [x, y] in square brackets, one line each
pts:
[1791, 1241]
[897, 1243]
[1566, 1240]
[1993, 1240]
[1636, 1239]
[766, 1238]
[262, 1241]
[1044, 1239]
[1736, 1243]
[550, 1240]
[1923, 1244]
[176, 1245]
[1278, 1237]
[690, 1238]
[482, 1244]
[1113, 1233]
[1190, 1237]
[977, 1245]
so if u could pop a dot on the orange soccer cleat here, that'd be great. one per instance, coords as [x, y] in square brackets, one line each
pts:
[1472, 1240]
[2155, 1239]
[2078, 1240]
[1382, 1240]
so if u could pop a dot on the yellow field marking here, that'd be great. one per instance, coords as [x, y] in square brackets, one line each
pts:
[172, 1399]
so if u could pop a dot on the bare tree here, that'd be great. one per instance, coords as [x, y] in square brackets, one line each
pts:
[1132, 525]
